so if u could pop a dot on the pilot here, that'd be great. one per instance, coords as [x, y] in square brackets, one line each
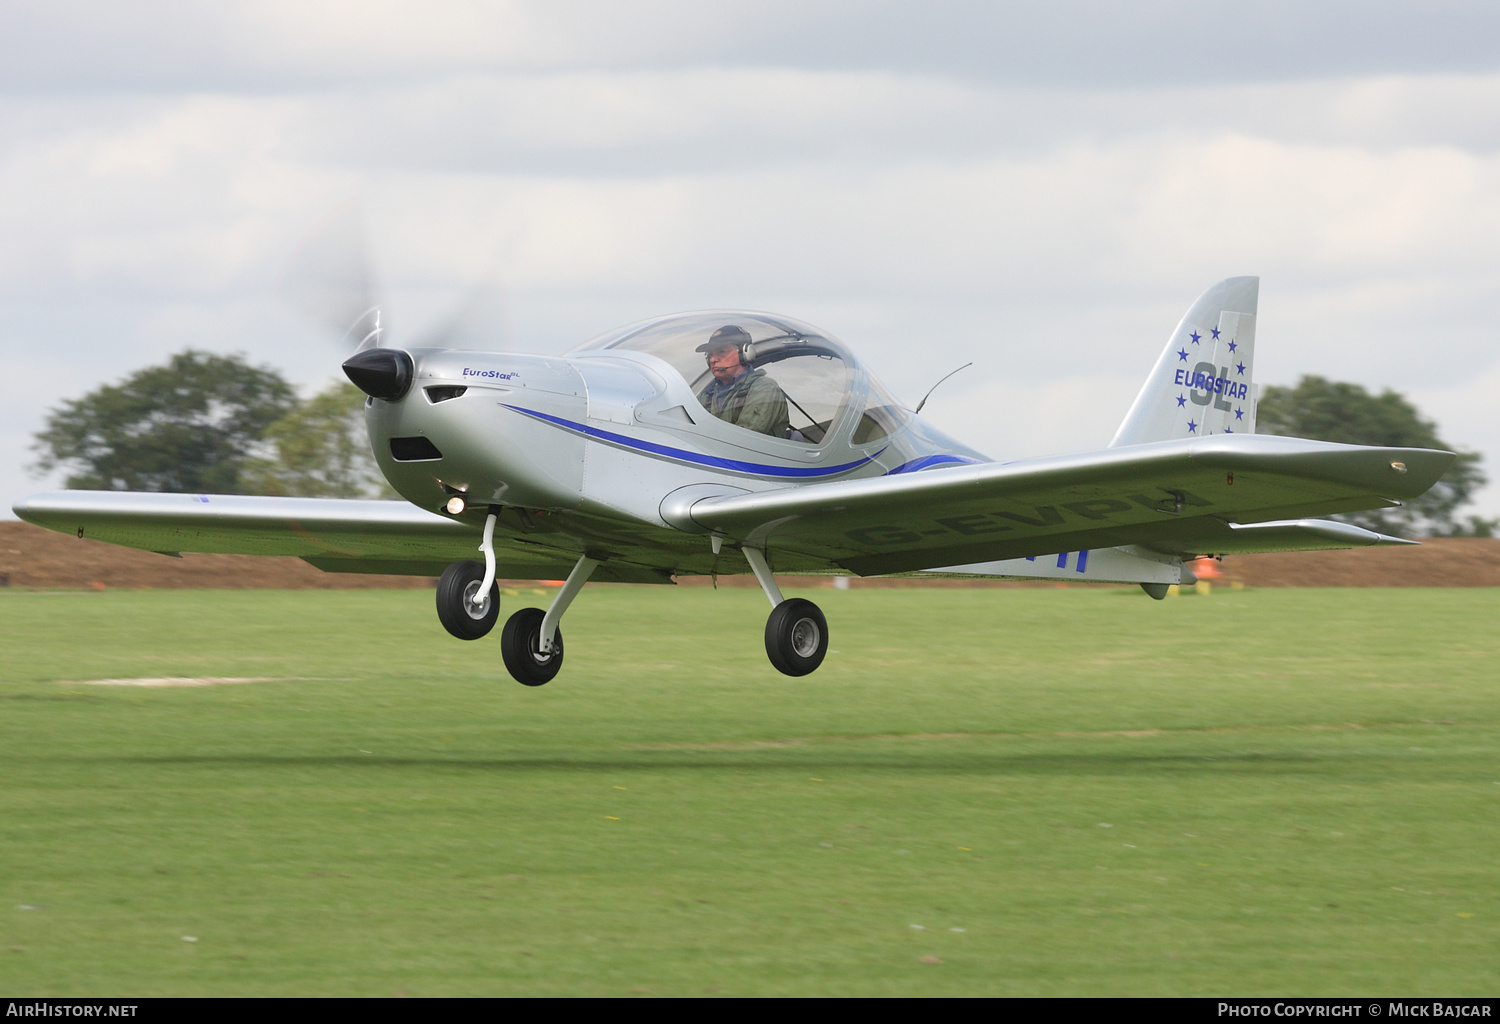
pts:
[739, 394]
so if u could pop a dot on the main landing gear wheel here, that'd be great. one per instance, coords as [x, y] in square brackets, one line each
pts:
[455, 601]
[796, 637]
[521, 647]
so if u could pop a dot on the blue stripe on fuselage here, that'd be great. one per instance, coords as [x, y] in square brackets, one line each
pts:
[928, 461]
[734, 465]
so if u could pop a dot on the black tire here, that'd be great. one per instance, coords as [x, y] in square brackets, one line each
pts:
[796, 637]
[458, 617]
[521, 645]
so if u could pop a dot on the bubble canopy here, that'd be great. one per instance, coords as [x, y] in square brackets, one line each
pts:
[817, 373]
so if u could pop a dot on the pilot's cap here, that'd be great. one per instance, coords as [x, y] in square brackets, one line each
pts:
[728, 336]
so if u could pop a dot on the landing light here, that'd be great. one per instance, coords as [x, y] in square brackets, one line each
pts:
[1399, 467]
[456, 506]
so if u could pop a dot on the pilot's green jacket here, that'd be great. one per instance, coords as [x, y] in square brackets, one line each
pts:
[752, 400]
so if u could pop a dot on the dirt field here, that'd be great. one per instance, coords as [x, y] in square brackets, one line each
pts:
[33, 557]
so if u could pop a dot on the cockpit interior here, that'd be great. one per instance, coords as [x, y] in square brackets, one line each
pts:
[818, 375]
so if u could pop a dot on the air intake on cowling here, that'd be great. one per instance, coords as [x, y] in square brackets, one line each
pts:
[414, 449]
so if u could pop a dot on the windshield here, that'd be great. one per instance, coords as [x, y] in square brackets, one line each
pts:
[884, 416]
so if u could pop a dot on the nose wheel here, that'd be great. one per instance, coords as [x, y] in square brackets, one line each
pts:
[463, 607]
[796, 637]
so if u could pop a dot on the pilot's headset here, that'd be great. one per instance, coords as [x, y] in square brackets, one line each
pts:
[730, 334]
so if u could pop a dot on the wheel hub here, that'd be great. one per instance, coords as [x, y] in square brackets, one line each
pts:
[805, 637]
[538, 655]
[471, 596]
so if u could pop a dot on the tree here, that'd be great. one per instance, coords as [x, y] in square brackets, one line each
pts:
[321, 450]
[1325, 410]
[188, 426]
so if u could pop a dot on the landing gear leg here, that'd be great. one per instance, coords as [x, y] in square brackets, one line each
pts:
[796, 632]
[531, 642]
[468, 602]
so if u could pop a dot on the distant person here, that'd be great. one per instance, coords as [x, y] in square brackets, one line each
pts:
[738, 394]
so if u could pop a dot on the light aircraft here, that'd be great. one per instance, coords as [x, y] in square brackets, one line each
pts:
[630, 459]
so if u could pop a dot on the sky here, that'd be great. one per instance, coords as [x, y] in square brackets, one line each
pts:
[1039, 188]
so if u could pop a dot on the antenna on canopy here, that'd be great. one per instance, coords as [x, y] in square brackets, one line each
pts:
[935, 387]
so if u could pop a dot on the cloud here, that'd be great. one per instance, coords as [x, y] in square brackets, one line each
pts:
[281, 45]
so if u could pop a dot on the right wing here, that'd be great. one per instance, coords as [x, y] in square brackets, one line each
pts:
[334, 534]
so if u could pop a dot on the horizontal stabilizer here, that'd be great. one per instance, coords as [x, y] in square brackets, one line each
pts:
[1304, 535]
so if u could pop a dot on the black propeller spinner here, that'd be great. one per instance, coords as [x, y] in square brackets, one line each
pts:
[381, 372]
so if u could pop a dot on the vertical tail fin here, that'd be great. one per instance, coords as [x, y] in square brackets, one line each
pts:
[1203, 383]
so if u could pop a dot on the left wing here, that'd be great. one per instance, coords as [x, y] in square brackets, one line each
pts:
[1181, 497]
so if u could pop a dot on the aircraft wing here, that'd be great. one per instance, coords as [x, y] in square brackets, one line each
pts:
[334, 534]
[1212, 495]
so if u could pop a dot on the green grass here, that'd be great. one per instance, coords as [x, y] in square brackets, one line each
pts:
[1290, 792]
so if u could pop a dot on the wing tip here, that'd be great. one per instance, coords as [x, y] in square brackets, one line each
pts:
[25, 508]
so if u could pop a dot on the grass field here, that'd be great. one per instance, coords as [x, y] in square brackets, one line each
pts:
[1020, 792]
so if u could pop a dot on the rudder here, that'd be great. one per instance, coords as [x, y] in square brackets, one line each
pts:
[1203, 383]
